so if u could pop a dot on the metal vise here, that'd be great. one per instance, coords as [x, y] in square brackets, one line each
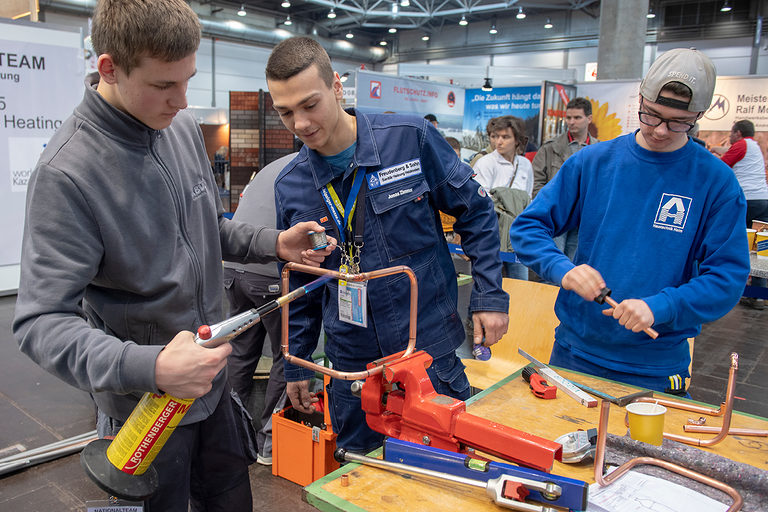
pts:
[401, 402]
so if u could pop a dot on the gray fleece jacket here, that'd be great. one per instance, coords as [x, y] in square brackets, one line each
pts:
[122, 249]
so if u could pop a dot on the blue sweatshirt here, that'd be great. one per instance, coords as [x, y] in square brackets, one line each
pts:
[666, 228]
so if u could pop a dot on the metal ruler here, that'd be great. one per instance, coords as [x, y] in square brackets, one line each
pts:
[554, 378]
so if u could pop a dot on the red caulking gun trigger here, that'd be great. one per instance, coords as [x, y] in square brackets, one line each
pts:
[539, 386]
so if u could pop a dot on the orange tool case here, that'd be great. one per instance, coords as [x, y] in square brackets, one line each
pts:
[303, 445]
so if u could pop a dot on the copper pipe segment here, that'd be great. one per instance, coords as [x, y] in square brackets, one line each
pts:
[726, 409]
[602, 435]
[701, 429]
[364, 276]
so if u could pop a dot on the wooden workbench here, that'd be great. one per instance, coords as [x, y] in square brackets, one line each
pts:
[511, 403]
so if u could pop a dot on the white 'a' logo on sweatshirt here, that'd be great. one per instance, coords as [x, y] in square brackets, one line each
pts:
[672, 212]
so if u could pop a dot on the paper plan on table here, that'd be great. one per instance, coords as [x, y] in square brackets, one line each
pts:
[636, 492]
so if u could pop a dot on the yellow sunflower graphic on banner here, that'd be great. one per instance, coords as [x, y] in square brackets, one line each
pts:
[608, 126]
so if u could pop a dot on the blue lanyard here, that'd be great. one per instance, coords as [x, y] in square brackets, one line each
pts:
[342, 217]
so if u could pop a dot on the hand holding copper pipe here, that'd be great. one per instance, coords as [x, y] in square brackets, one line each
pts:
[604, 298]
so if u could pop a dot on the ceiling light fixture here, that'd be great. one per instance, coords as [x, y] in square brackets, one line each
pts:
[331, 13]
[405, 3]
[726, 7]
[487, 85]
[286, 4]
[493, 30]
[392, 30]
[520, 14]
[349, 35]
[463, 21]
[242, 12]
[548, 24]
[425, 37]
[288, 21]
[382, 43]
[650, 14]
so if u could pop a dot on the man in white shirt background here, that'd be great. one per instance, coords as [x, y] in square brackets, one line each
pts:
[746, 159]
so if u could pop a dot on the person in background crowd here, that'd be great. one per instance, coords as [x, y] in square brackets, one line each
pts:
[661, 222]
[432, 119]
[250, 286]
[508, 177]
[488, 149]
[122, 249]
[220, 167]
[455, 144]
[447, 221]
[694, 135]
[552, 154]
[746, 159]
[378, 181]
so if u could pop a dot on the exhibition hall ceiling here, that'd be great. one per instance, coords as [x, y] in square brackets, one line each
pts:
[374, 18]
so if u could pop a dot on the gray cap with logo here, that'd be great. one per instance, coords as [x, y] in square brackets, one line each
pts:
[687, 66]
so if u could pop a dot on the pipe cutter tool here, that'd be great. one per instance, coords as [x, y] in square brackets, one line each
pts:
[572, 495]
[539, 387]
[401, 402]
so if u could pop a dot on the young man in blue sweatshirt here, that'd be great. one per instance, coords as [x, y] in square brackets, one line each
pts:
[661, 222]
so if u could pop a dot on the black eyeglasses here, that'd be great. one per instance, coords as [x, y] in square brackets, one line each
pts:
[672, 125]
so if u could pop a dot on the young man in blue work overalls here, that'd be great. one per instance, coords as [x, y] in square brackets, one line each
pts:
[377, 182]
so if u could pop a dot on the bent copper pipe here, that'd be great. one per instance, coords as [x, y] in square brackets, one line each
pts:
[726, 410]
[365, 276]
[602, 435]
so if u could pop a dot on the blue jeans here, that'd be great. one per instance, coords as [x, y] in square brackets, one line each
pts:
[348, 419]
[515, 271]
[564, 357]
[568, 242]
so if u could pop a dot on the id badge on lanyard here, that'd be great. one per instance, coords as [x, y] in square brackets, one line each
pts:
[351, 298]
[352, 303]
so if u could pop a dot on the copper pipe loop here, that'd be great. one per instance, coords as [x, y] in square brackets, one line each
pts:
[602, 435]
[364, 276]
[725, 410]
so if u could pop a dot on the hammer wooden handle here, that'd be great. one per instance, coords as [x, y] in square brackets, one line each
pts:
[605, 296]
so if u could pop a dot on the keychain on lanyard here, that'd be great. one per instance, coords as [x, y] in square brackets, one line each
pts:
[351, 240]
[351, 297]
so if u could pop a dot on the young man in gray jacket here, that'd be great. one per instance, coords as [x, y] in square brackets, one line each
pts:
[122, 250]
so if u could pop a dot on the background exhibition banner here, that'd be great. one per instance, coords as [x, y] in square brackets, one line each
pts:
[614, 106]
[377, 93]
[738, 98]
[480, 106]
[41, 81]
[552, 118]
